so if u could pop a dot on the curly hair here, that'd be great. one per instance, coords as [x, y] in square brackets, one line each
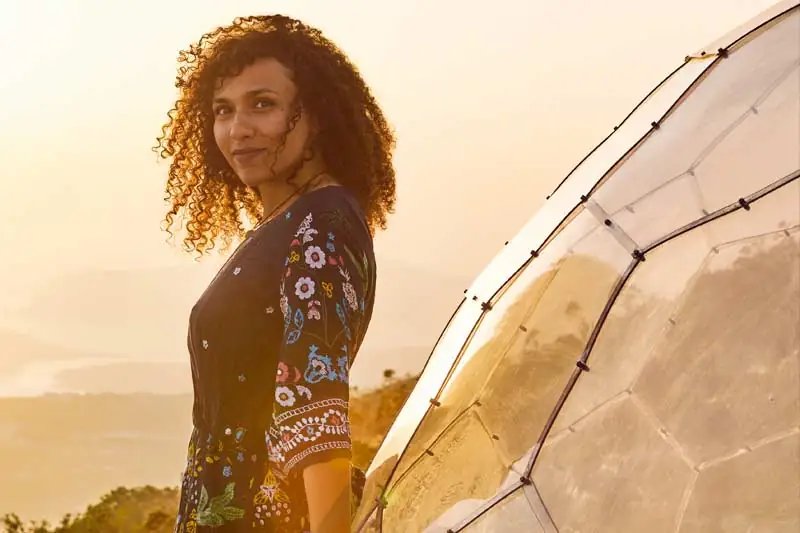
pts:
[355, 138]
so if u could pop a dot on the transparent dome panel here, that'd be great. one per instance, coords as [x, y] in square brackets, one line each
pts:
[511, 515]
[373, 488]
[367, 523]
[542, 318]
[523, 388]
[725, 375]
[750, 492]
[469, 513]
[512, 372]
[496, 330]
[644, 308]
[695, 366]
[734, 134]
[427, 387]
[615, 473]
[463, 464]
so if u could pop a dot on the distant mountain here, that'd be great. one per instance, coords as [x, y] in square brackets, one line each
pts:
[59, 452]
[167, 377]
[143, 314]
[18, 349]
[127, 377]
[28, 365]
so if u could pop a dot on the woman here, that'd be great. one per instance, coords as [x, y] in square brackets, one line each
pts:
[273, 121]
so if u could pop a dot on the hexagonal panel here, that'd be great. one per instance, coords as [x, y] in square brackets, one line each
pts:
[614, 474]
[373, 488]
[638, 317]
[735, 133]
[726, 374]
[511, 515]
[755, 492]
[463, 466]
[641, 314]
[370, 524]
[525, 385]
[526, 346]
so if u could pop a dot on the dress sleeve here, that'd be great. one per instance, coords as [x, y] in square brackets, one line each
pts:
[322, 301]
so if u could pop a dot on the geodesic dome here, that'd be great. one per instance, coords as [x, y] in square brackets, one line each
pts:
[629, 361]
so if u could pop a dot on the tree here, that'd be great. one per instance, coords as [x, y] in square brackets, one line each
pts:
[158, 522]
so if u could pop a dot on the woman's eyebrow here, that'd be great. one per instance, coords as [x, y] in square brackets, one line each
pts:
[250, 93]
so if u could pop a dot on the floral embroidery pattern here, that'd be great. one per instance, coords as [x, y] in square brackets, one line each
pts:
[284, 396]
[271, 500]
[323, 287]
[216, 511]
[246, 471]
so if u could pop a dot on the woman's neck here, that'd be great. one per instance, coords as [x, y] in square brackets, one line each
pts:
[278, 195]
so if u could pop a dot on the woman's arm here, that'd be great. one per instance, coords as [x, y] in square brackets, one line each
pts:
[328, 492]
[322, 301]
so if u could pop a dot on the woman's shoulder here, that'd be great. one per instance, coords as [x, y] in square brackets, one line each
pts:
[331, 208]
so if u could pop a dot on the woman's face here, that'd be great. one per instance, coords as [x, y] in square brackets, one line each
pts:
[252, 112]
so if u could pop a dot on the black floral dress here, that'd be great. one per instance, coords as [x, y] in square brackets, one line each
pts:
[271, 341]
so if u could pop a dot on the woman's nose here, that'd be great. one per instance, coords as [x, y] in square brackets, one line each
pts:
[241, 127]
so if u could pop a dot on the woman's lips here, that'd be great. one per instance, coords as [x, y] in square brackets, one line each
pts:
[246, 157]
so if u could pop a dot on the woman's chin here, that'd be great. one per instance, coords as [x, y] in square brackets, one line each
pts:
[253, 178]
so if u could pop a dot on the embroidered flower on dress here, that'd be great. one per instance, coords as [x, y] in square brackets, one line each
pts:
[304, 225]
[283, 373]
[284, 396]
[304, 288]
[313, 310]
[350, 294]
[308, 236]
[319, 367]
[284, 306]
[328, 288]
[315, 257]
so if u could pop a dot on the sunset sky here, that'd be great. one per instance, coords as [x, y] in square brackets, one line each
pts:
[493, 102]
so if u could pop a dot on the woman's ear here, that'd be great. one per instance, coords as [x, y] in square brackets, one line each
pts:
[313, 131]
[312, 142]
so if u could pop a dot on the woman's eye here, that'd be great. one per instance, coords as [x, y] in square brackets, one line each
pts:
[220, 110]
[263, 104]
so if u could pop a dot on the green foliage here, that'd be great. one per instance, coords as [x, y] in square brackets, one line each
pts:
[138, 510]
[372, 413]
